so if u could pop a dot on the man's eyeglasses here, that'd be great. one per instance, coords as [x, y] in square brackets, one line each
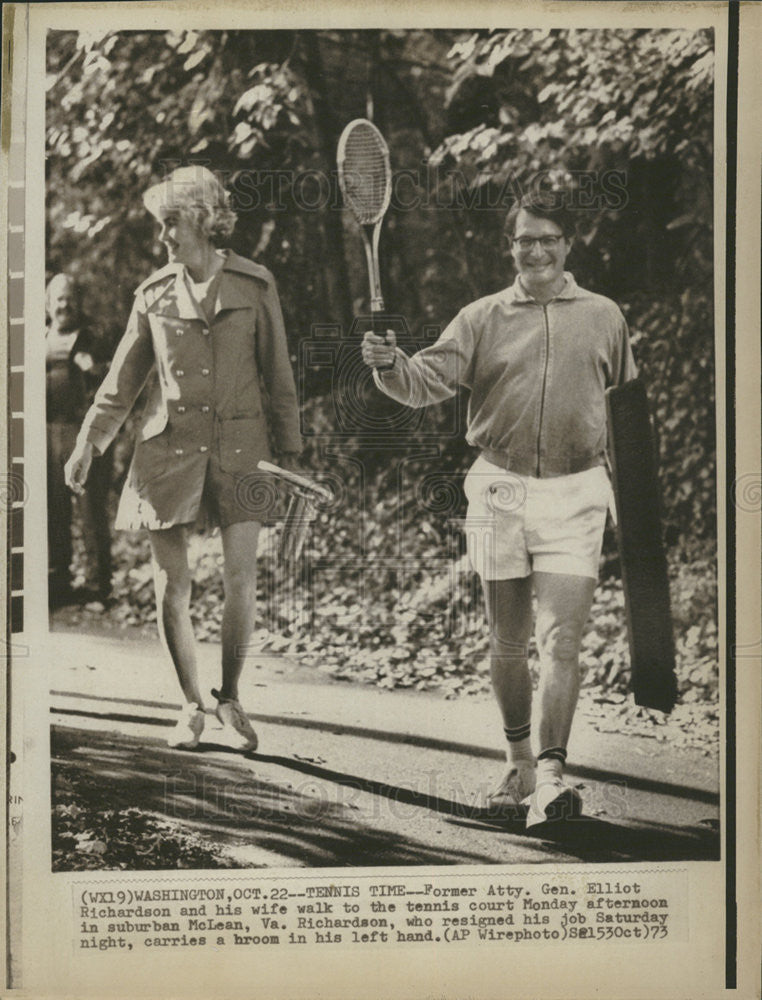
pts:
[546, 242]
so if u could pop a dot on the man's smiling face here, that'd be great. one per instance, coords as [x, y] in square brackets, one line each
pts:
[63, 304]
[539, 249]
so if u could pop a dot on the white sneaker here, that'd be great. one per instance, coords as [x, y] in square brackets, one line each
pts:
[552, 801]
[239, 732]
[189, 727]
[517, 783]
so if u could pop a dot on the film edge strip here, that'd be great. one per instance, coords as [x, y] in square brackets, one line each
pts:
[16, 487]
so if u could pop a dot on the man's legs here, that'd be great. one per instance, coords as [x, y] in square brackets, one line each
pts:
[96, 538]
[563, 606]
[59, 443]
[509, 612]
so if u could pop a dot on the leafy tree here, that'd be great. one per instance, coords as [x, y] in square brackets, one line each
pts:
[472, 119]
[623, 118]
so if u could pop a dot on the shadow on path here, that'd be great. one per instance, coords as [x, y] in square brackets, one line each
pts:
[588, 838]
[328, 817]
[228, 803]
[635, 782]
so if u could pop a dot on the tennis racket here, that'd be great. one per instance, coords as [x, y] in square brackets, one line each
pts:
[365, 179]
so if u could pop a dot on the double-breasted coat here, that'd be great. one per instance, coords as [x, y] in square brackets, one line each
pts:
[219, 390]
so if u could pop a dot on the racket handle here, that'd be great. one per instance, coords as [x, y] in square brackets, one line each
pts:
[380, 326]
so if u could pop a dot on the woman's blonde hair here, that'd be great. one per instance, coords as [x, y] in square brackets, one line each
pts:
[197, 195]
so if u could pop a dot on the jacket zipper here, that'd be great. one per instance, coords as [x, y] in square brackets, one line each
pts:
[544, 383]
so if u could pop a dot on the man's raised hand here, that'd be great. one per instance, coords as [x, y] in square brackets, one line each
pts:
[379, 350]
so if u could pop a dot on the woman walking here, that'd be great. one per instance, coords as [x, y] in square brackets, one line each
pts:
[209, 327]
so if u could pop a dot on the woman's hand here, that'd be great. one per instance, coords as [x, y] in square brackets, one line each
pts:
[78, 467]
[379, 351]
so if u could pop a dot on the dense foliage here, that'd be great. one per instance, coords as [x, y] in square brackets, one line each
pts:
[623, 119]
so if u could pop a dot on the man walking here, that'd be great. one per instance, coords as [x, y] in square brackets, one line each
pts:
[537, 358]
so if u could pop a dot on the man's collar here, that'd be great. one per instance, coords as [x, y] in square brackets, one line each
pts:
[570, 290]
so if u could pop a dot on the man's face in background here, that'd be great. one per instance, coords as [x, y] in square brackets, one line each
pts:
[63, 304]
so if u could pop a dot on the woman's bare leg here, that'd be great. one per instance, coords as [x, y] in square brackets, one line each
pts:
[172, 581]
[239, 546]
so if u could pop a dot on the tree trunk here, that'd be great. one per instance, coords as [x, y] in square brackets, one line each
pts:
[331, 232]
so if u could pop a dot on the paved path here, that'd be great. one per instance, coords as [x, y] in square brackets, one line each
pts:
[350, 775]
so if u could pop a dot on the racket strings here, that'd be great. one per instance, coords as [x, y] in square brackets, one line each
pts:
[364, 173]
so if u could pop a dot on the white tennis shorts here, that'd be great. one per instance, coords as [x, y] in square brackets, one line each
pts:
[516, 525]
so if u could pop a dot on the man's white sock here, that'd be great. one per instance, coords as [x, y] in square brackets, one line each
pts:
[550, 764]
[519, 744]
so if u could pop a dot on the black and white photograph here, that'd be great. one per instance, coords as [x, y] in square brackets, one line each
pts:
[534, 248]
[383, 490]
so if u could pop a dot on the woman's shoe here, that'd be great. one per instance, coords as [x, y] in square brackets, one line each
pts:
[235, 723]
[189, 727]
